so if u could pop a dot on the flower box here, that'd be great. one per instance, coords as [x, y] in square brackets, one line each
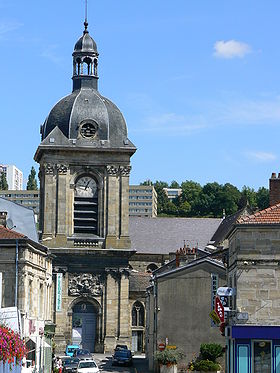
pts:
[168, 368]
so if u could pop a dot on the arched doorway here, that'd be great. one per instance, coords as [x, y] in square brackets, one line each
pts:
[84, 322]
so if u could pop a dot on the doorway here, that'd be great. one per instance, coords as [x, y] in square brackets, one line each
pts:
[84, 325]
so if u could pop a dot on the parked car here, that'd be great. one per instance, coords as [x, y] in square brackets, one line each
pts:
[122, 357]
[70, 349]
[70, 365]
[87, 366]
[121, 347]
[81, 353]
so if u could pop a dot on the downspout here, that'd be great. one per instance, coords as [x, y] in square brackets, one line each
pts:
[16, 285]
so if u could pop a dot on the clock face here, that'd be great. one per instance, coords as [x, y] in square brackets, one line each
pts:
[85, 187]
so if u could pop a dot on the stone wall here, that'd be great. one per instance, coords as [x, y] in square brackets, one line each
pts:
[254, 255]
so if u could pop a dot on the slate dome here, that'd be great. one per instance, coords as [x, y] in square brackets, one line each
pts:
[87, 106]
[85, 114]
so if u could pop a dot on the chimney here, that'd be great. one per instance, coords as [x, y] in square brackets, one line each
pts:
[274, 189]
[3, 218]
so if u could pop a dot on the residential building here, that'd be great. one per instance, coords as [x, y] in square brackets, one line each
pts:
[142, 201]
[13, 175]
[179, 302]
[27, 198]
[26, 279]
[172, 193]
[254, 275]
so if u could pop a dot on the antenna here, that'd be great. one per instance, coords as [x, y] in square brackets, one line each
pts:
[86, 22]
[10, 224]
[86, 8]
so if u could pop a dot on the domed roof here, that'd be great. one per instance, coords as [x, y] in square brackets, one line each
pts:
[83, 110]
[85, 43]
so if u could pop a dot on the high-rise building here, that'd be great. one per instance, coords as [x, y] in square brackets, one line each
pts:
[13, 175]
[142, 201]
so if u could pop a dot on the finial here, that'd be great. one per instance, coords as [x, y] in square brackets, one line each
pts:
[86, 22]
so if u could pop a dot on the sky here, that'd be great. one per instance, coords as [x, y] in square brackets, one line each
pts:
[197, 81]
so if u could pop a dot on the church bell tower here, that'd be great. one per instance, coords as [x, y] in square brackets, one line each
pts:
[84, 158]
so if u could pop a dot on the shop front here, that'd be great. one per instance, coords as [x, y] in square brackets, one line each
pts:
[253, 349]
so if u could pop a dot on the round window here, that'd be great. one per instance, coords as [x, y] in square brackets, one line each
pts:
[88, 129]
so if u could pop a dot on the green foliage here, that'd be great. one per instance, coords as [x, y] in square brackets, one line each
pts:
[206, 366]
[3, 182]
[32, 182]
[168, 357]
[211, 351]
[206, 361]
[208, 201]
[262, 198]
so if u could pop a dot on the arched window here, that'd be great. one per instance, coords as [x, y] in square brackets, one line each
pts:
[86, 205]
[138, 314]
[152, 267]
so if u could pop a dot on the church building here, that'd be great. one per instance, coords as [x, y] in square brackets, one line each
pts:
[84, 158]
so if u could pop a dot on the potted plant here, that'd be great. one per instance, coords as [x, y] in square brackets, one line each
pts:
[168, 360]
[206, 361]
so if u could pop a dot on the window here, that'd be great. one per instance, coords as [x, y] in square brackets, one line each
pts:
[86, 206]
[262, 356]
[138, 314]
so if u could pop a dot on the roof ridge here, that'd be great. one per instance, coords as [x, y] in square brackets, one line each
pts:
[262, 216]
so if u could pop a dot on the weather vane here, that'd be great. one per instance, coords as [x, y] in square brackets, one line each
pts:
[86, 8]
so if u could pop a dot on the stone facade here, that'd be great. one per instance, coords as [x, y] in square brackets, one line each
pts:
[27, 286]
[254, 254]
[178, 307]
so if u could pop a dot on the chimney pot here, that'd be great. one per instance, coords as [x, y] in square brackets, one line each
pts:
[274, 189]
[273, 176]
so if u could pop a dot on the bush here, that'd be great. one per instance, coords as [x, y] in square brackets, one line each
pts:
[168, 357]
[210, 351]
[206, 366]
[12, 347]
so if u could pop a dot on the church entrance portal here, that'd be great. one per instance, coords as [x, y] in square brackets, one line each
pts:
[84, 325]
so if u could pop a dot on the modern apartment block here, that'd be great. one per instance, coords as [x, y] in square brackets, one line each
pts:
[172, 193]
[13, 175]
[27, 198]
[142, 201]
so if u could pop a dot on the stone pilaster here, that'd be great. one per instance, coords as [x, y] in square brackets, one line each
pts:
[50, 200]
[111, 311]
[124, 208]
[112, 206]
[125, 330]
[62, 171]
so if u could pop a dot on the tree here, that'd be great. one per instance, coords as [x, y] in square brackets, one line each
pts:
[262, 197]
[147, 182]
[3, 182]
[32, 182]
[162, 200]
[248, 196]
[174, 184]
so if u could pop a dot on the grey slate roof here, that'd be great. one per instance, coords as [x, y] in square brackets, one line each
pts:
[139, 281]
[227, 225]
[22, 217]
[165, 235]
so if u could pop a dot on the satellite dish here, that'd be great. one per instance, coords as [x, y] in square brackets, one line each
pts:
[10, 223]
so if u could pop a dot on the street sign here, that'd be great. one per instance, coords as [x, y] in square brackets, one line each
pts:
[161, 346]
[219, 308]
[214, 317]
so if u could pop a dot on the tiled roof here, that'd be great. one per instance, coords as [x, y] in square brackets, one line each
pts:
[8, 234]
[166, 235]
[271, 215]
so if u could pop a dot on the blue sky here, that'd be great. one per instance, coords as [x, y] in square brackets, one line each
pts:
[198, 81]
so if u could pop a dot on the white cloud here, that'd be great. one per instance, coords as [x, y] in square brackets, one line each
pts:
[172, 124]
[51, 54]
[261, 156]
[8, 26]
[231, 49]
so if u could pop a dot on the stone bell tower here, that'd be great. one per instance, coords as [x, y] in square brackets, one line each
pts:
[84, 159]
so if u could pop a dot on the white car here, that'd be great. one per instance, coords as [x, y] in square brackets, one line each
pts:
[87, 366]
